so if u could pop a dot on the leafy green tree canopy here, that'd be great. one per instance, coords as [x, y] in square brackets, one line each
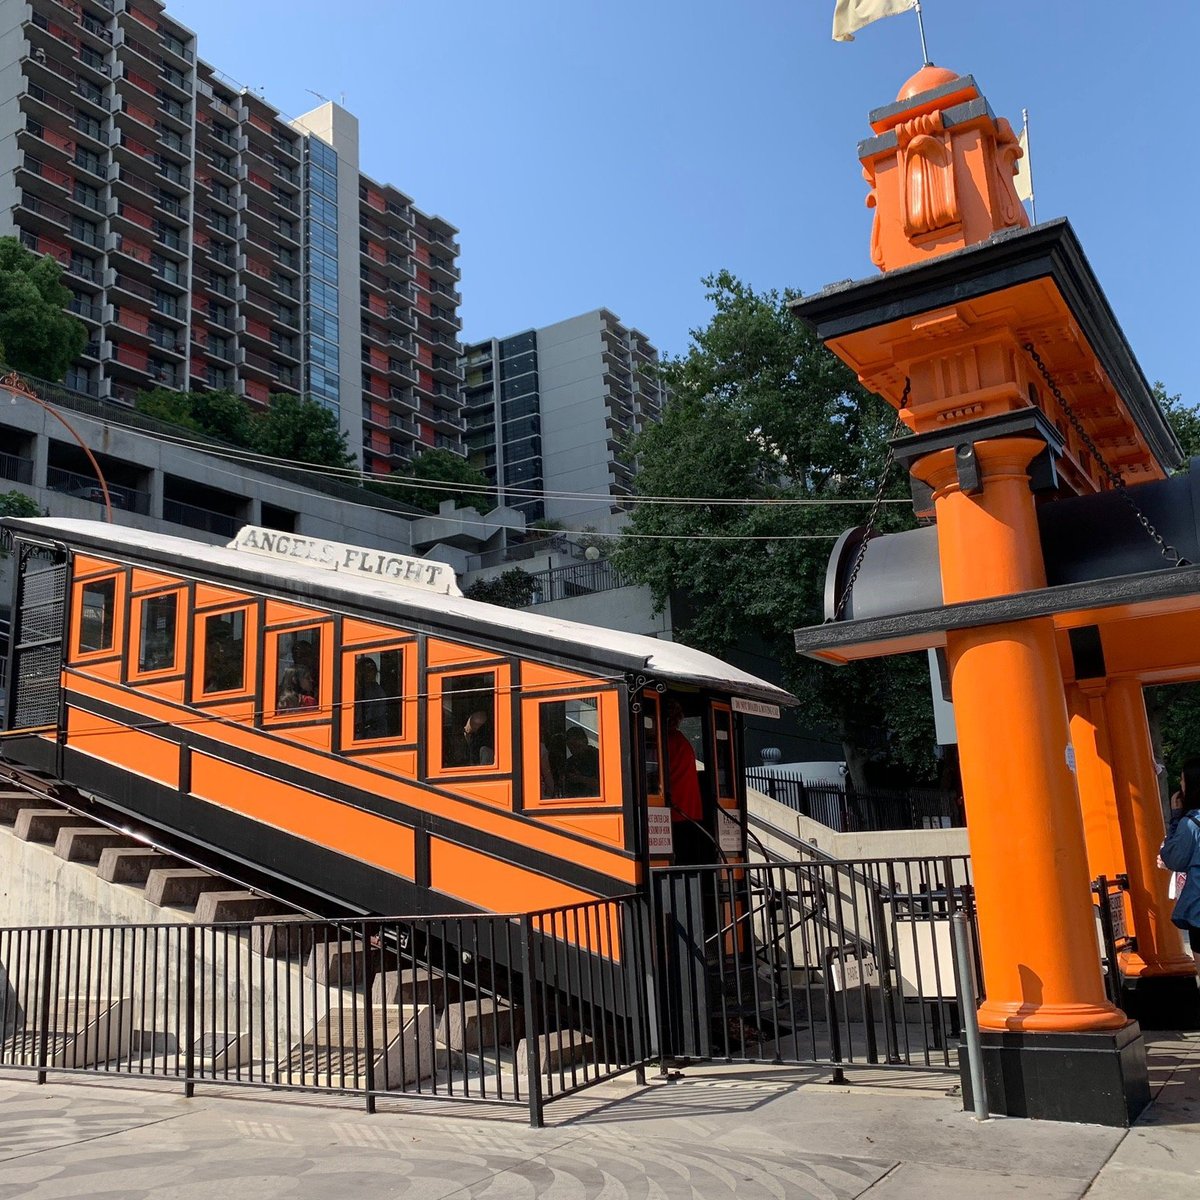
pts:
[442, 467]
[38, 336]
[760, 411]
[301, 430]
[512, 589]
[1183, 418]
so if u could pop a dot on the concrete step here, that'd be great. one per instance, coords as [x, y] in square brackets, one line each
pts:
[480, 1025]
[557, 1052]
[217, 907]
[121, 864]
[282, 937]
[85, 843]
[341, 963]
[12, 802]
[181, 885]
[42, 824]
[333, 1053]
[414, 986]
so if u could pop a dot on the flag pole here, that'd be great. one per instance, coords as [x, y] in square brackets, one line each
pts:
[921, 27]
[1029, 164]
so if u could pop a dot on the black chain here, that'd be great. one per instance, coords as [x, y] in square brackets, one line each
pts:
[1164, 547]
[876, 506]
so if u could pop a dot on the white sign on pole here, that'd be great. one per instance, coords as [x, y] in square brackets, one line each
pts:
[660, 839]
[755, 708]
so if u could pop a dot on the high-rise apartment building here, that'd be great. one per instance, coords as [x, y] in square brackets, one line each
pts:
[552, 411]
[211, 242]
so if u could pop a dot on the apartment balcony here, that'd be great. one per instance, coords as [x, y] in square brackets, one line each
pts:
[174, 207]
[443, 270]
[175, 114]
[445, 320]
[439, 238]
[86, 311]
[441, 342]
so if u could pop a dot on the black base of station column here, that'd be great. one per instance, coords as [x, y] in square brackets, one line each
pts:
[1094, 1078]
[1162, 1001]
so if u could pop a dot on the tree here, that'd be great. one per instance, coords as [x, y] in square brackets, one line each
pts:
[512, 589]
[166, 404]
[1184, 419]
[441, 466]
[16, 504]
[303, 431]
[225, 416]
[759, 410]
[38, 335]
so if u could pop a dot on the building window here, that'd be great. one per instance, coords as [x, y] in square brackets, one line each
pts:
[156, 642]
[468, 720]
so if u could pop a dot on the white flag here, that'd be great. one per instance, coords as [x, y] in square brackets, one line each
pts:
[1023, 180]
[852, 15]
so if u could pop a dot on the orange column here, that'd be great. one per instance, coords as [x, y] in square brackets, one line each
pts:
[1139, 811]
[1094, 780]
[1036, 929]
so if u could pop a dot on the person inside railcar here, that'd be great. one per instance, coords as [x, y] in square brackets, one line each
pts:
[224, 651]
[370, 709]
[288, 698]
[581, 774]
[692, 845]
[468, 731]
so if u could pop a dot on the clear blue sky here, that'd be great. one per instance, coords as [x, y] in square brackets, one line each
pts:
[612, 152]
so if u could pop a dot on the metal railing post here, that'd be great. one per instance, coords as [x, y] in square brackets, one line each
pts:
[532, 1048]
[44, 1004]
[369, 1019]
[189, 1012]
[968, 1011]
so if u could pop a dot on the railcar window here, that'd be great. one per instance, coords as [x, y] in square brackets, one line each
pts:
[650, 755]
[723, 735]
[378, 688]
[225, 652]
[469, 720]
[298, 660]
[156, 647]
[96, 616]
[569, 735]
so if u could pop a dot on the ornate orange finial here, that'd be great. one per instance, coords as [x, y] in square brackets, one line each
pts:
[940, 169]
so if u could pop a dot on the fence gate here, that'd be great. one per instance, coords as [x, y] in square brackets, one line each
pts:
[837, 963]
[35, 655]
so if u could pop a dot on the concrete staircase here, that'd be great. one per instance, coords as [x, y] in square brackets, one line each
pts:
[57, 868]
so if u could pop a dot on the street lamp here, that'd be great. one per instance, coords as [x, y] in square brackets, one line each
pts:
[18, 387]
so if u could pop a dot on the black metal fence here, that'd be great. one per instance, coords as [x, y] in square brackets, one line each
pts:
[836, 963]
[846, 809]
[1108, 903]
[510, 1010]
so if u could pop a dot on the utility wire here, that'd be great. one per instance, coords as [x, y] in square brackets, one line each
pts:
[354, 476]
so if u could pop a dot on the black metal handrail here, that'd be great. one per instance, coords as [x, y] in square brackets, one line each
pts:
[846, 809]
[519, 1010]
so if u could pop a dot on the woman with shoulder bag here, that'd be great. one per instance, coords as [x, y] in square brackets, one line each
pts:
[1181, 852]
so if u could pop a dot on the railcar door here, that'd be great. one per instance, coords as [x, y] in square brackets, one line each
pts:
[35, 657]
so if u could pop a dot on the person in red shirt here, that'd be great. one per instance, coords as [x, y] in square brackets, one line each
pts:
[683, 792]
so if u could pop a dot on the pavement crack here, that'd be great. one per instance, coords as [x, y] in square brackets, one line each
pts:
[83, 1141]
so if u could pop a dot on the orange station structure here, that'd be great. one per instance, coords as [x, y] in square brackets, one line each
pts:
[1061, 593]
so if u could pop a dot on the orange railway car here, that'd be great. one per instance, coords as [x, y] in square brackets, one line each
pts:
[343, 723]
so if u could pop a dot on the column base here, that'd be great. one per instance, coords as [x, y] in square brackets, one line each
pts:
[1162, 1001]
[1095, 1078]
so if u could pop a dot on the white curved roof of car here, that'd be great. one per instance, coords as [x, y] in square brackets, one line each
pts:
[635, 651]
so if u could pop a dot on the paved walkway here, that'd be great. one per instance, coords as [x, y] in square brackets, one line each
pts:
[716, 1132]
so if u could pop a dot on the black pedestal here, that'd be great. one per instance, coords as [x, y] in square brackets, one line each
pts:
[1162, 1001]
[1095, 1078]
